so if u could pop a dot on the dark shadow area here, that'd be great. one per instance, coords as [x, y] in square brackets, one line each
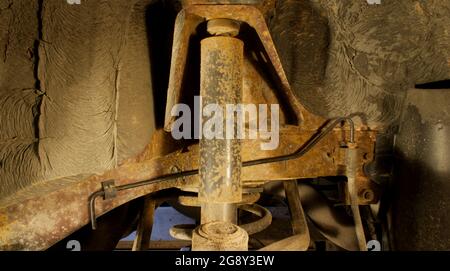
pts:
[111, 227]
[115, 224]
[160, 19]
[421, 185]
[420, 198]
[254, 51]
[435, 85]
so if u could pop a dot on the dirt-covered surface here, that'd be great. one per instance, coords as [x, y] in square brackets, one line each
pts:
[347, 57]
[75, 88]
[76, 93]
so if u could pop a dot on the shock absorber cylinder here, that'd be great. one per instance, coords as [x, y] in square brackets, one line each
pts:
[220, 156]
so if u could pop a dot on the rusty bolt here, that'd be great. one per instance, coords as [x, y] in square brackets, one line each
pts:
[367, 194]
[174, 169]
[223, 27]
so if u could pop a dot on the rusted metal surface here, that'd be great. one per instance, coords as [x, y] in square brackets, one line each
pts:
[367, 191]
[254, 18]
[351, 168]
[145, 225]
[186, 23]
[264, 221]
[298, 218]
[185, 231]
[215, 210]
[40, 215]
[300, 229]
[223, 27]
[185, 27]
[220, 158]
[194, 202]
[45, 213]
[219, 236]
[221, 84]
[294, 243]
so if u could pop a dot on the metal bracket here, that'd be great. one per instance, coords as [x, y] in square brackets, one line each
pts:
[186, 24]
[109, 189]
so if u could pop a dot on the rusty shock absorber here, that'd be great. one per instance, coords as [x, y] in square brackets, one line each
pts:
[220, 158]
[220, 190]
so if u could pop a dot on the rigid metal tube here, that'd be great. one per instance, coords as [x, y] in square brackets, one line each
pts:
[220, 156]
[302, 150]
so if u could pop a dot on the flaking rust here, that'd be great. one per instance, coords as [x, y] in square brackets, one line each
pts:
[67, 202]
[48, 212]
[221, 84]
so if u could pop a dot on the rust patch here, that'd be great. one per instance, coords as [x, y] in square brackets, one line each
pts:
[185, 25]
